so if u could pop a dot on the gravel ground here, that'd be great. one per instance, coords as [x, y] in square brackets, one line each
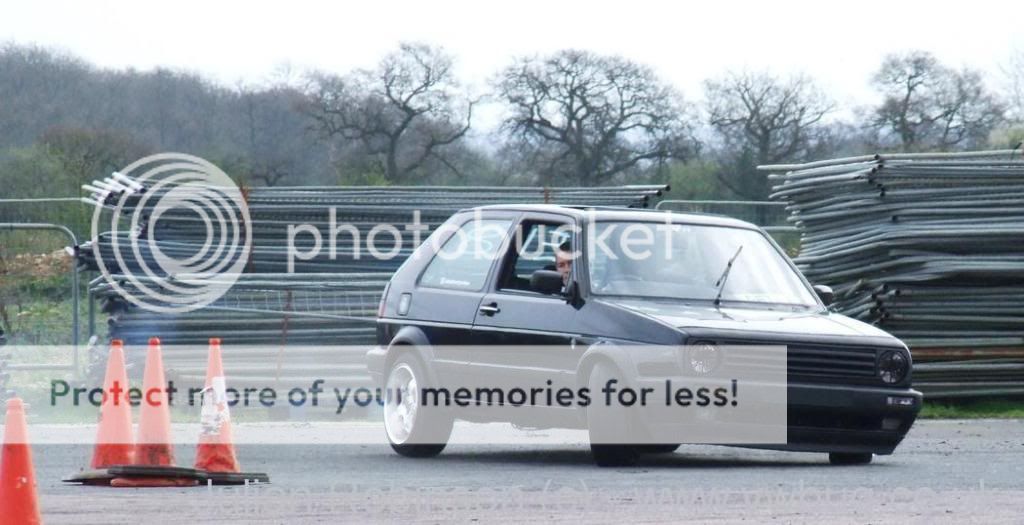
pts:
[945, 471]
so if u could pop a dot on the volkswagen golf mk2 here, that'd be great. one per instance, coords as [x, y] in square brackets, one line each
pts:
[567, 280]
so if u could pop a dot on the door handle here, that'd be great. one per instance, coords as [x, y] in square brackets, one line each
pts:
[489, 309]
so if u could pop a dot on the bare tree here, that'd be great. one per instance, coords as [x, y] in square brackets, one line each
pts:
[589, 118]
[759, 118]
[403, 112]
[930, 106]
[1014, 73]
[1011, 133]
[273, 136]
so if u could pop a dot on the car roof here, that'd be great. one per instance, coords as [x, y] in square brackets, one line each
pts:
[609, 213]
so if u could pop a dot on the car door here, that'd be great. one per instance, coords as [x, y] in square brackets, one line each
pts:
[525, 338]
[447, 294]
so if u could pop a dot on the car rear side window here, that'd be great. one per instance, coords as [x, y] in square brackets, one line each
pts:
[466, 257]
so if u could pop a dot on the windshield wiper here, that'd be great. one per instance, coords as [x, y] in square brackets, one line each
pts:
[720, 283]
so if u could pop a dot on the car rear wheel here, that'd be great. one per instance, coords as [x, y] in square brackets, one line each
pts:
[413, 429]
[849, 458]
[604, 421]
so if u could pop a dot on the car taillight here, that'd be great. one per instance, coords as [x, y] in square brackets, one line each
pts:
[383, 300]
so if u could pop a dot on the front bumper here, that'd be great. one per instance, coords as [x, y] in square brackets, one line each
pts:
[833, 418]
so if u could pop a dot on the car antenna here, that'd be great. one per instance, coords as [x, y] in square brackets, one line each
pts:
[720, 283]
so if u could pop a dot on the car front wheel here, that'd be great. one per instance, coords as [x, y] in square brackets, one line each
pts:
[604, 422]
[849, 458]
[413, 429]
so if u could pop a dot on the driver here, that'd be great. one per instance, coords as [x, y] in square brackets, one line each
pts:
[563, 261]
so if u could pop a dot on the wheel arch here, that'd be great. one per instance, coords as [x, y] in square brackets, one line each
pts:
[604, 352]
[411, 340]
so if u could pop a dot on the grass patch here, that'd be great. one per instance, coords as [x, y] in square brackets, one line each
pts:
[978, 409]
[49, 321]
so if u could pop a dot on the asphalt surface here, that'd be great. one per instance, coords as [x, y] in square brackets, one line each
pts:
[945, 471]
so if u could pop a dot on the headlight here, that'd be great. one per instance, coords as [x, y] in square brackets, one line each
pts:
[893, 366]
[704, 358]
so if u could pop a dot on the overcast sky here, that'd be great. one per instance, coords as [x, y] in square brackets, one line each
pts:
[838, 44]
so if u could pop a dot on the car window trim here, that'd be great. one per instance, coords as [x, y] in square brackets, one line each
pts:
[498, 269]
[529, 294]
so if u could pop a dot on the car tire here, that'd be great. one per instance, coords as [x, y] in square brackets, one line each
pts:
[412, 429]
[603, 420]
[666, 448]
[849, 458]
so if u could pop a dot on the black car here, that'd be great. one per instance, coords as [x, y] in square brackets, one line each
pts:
[724, 282]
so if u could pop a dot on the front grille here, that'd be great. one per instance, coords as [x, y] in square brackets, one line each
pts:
[832, 362]
[813, 363]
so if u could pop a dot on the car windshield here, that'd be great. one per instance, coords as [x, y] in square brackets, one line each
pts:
[691, 262]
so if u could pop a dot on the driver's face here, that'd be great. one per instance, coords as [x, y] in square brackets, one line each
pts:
[563, 263]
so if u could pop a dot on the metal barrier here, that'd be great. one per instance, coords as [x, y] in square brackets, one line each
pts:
[12, 226]
[765, 214]
[325, 301]
[925, 246]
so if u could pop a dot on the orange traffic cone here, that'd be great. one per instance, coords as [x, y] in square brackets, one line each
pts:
[154, 452]
[18, 499]
[216, 450]
[114, 443]
[154, 446]
[215, 455]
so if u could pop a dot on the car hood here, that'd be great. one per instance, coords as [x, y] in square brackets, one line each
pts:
[709, 318]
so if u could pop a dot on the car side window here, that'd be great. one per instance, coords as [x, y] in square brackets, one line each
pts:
[534, 249]
[464, 260]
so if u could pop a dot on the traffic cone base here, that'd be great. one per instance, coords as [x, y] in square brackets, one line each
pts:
[234, 478]
[90, 477]
[153, 476]
[153, 482]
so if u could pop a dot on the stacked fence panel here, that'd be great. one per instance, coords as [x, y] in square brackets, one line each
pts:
[327, 298]
[929, 247]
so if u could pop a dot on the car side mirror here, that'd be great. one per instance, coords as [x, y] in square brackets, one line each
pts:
[825, 293]
[546, 282]
[572, 295]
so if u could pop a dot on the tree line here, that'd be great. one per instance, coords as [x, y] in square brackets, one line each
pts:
[572, 117]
